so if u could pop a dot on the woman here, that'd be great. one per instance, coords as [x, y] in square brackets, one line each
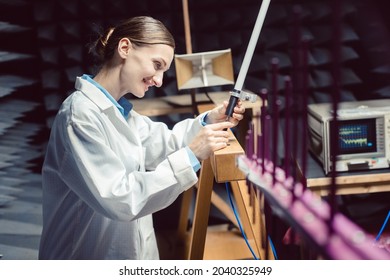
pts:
[107, 168]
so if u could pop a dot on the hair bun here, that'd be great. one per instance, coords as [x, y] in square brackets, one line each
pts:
[104, 38]
[98, 48]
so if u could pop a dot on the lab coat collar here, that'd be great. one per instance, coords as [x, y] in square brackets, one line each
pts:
[123, 105]
[101, 101]
[106, 106]
[94, 94]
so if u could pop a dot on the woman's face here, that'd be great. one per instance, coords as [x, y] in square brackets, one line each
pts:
[144, 67]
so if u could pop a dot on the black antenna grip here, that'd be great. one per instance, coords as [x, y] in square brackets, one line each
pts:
[233, 100]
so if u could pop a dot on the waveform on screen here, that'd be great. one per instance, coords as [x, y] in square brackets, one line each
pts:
[353, 130]
[362, 142]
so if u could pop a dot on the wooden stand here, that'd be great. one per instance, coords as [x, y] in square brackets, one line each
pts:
[222, 168]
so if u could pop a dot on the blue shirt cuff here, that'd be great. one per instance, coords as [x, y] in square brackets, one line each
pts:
[193, 160]
[203, 120]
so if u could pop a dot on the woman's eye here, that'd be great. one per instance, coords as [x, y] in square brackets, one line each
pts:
[157, 65]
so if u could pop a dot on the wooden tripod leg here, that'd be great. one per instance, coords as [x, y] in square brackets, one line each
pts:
[202, 211]
[182, 230]
[184, 213]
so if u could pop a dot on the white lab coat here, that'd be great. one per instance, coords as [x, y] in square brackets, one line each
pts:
[103, 177]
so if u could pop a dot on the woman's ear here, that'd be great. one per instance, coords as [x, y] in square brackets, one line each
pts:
[124, 47]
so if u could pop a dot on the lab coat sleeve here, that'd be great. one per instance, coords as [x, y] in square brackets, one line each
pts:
[99, 177]
[159, 141]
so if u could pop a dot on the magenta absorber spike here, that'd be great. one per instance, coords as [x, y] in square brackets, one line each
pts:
[287, 136]
[304, 99]
[263, 95]
[275, 138]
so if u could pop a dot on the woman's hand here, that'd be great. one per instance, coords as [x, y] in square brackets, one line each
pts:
[218, 114]
[210, 138]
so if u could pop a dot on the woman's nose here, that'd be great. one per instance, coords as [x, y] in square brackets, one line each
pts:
[158, 80]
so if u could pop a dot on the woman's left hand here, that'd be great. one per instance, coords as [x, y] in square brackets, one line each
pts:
[218, 113]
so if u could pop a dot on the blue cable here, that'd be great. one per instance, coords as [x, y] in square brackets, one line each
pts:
[238, 221]
[383, 227]
[273, 248]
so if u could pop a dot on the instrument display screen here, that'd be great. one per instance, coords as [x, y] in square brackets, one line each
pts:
[356, 136]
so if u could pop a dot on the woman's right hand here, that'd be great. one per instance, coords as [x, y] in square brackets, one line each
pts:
[210, 138]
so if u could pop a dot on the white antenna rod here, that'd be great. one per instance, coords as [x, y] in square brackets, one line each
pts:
[235, 94]
[252, 45]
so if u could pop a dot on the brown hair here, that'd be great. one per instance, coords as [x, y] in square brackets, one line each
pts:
[142, 30]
